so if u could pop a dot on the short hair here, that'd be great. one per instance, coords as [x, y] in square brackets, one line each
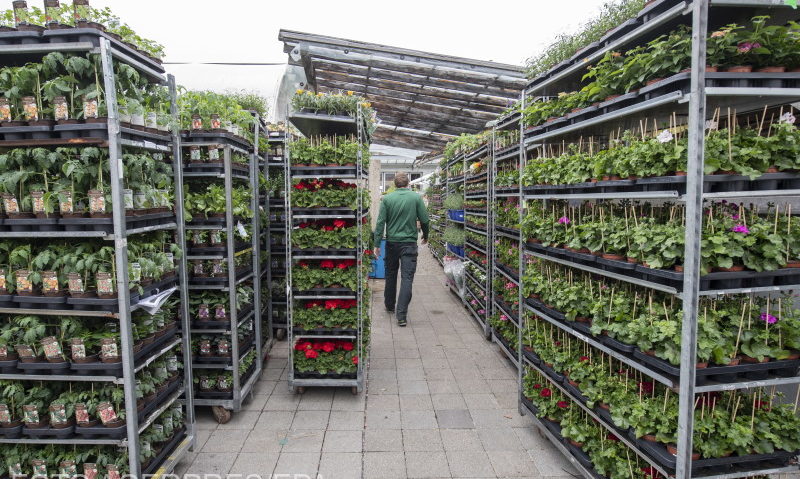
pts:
[401, 180]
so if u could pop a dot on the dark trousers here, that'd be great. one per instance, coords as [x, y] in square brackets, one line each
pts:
[402, 256]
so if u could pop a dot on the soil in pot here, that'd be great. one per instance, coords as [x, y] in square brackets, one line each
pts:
[740, 69]
[771, 70]
[732, 269]
[749, 360]
[674, 451]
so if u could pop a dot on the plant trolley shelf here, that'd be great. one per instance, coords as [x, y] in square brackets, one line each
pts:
[328, 238]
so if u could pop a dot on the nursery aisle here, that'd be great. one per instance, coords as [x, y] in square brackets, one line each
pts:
[440, 402]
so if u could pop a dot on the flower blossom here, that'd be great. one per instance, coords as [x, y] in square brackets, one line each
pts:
[503, 317]
[665, 136]
[355, 359]
[768, 318]
[788, 118]
[311, 354]
[584, 358]
[719, 33]
[546, 393]
[562, 404]
[563, 220]
[740, 229]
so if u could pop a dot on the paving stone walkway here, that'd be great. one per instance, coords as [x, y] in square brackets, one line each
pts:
[440, 402]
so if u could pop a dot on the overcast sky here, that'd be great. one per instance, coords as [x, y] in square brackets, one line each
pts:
[247, 31]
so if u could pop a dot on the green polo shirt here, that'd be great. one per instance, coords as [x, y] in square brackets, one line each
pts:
[399, 213]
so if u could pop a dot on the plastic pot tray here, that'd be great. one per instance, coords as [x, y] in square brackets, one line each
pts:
[8, 367]
[102, 431]
[64, 433]
[43, 368]
[300, 332]
[11, 432]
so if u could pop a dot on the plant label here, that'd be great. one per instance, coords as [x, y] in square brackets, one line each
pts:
[10, 204]
[163, 198]
[106, 413]
[136, 272]
[172, 364]
[2, 280]
[140, 200]
[39, 468]
[58, 414]
[20, 12]
[51, 10]
[24, 284]
[52, 348]
[215, 123]
[89, 104]
[220, 313]
[194, 153]
[207, 383]
[77, 349]
[205, 348]
[216, 236]
[37, 199]
[198, 269]
[15, 470]
[75, 283]
[5, 110]
[112, 471]
[171, 259]
[151, 120]
[217, 268]
[49, 282]
[224, 383]
[224, 347]
[97, 201]
[168, 424]
[25, 351]
[105, 285]
[109, 349]
[60, 109]
[241, 230]
[30, 414]
[213, 151]
[90, 470]
[203, 313]
[67, 469]
[30, 109]
[3, 352]
[235, 130]
[127, 198]
[197, 122]
[82, 414]
[5, 414]
[65, 204]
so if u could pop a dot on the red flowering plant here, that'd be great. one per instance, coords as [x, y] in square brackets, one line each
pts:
[330, 313]
[326, 234]
[552, 404]
[325, 357]
[307, 275]
[326, 193]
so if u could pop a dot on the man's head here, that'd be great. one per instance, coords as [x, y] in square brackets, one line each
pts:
[401, 180]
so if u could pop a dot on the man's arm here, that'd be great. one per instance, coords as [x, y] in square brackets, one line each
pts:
[422, 216]
[379, 229]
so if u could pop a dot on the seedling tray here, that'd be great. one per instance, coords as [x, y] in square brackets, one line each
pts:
[212, 359]
[324, 210]
[158, 286]
[219, 280]
[756, 371]
[102, 431]
[166, 451]
[40, 302]
[64, 433]
[531, 356]
[43, 368]
[226, 324]
[11, 432]
[213, 394]
[31, 224]
[7, 301]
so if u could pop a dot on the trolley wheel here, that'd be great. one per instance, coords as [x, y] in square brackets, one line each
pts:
[354, 390]
[280, 334]
[222, 415]
[487, 334]
[299, 389]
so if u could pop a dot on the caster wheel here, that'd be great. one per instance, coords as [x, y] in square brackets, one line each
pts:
[354, 390]
[222, 415]
[299, 390]
[280, 334]
[487, 334]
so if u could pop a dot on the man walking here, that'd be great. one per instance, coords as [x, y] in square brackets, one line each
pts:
[399, 213]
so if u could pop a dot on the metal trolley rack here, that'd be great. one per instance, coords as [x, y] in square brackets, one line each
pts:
[695, 94]
[478, 251]
[248, 318]
[310, 125]
[275, 234]
[116, 137]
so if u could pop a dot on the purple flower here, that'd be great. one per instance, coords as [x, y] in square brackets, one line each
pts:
[503, 317]
[481, 311]
[563, 220]
[734, 217]
[474, 302]
[740, 229]
[770, 319]
[745, 47]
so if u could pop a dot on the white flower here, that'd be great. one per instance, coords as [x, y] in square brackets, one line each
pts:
[712, 125]
[788, 118]
[665, 136]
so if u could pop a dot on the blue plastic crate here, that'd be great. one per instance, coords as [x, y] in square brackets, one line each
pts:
[456, 215]
[378, 264]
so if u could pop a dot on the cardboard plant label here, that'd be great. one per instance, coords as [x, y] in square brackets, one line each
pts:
[49, 282]
[50, 10]
[109, 349]
[82, 414]
[140, 200]
[90, 470]
[3, 352]
[215, 123]
[112, 471]
[58, 414]
[37, 199]
[5, 110]
[3, 280]
[5, 414]
[220, 313]
[135, 272]
[197, 122]
[224, 347]
[25, 351]
[75, 283]
[224, 382]
[67, 469]
[172, 364]
[241, 230]
[60, 108]
[65, 203]
[10, 204]
[30, 109]
[89, 104]
[77, 349]
[97, 201]
[217, 268]
[205, 348]
[151, 120]
[171, 258]
[197, 237]
[105, 285]
[194, 153]
[127, 198]
[213, 152]
[24, 284]
[15, 470]
[198, 268]
[207, 383]
[30, 414]
[39, 468]
[216, 236]
[106, 413]
[203, 313]
[52, 348]
[169, 425]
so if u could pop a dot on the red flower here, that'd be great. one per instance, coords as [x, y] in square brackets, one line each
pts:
[302, 226]
[347, 346]
[328, 347]
[355, 359]
[300, 346]
[317, 346]
[311, 354]
[537, 386]
[558, 343]
[339, 223]
[299, 186]
[331, 304]
[562, 404]
[646, 387]
[612, 437]
[326, 264]
[584, 358]
[328, 228]
[368, 252]
[546, 393]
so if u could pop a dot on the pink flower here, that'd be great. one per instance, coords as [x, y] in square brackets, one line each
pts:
[740, 229]
[768, 318]
[745, 47]
[481, 311]
[503, 317]
[474, 302]
[563, 220]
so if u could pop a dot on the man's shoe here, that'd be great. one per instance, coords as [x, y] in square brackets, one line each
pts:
[389, 310]
[401, 322]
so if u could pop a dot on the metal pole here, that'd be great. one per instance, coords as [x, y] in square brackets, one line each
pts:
[255, 241]
[183, 277]
[521, 307]
[360, 257]
[694, 224]
[231, 267]
[287, 188]
[121, 256]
